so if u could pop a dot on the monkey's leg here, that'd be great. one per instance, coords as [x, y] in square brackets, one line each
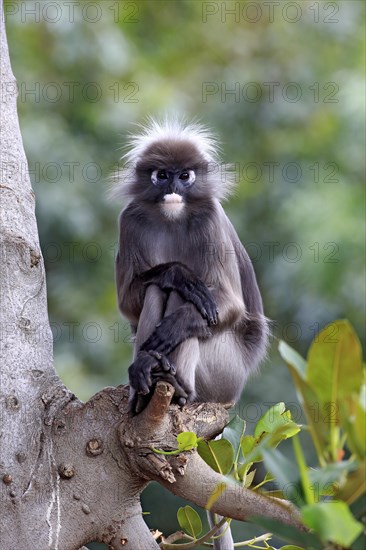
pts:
[152, 313]
[185, 356]
[151, 365]
[183, 323]
[154, 338]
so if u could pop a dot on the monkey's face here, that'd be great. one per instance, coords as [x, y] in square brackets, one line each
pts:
[169, 175]
[174, 184]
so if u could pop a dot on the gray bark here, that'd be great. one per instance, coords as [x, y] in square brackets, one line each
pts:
[72, 473]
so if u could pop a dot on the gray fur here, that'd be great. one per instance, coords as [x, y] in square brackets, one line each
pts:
[214, 363]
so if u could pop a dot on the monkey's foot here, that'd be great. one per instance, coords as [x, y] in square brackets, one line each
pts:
[140, 372]
[149, 368]
[165, 364]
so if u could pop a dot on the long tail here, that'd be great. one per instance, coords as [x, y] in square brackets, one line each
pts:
[225, 542]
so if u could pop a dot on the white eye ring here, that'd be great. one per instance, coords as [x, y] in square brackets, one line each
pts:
[154, 176]
[192, 177]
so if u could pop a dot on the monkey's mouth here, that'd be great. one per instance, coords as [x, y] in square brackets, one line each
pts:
[172, 198]
[172, 205]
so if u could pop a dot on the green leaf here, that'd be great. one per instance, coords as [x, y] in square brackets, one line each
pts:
[276, 421]
[249, 479]
[335, 362]
[333, 521]
[189, 521]
[270, 420]
[315, 414]
[293, 358]
[354, 487]
[291, 547]
[248, 448]
[323, 478]
[219, 454]
[243, 469]
[288, 533]
[187, 441]
[247, 442]
[286, 474]
[353, 421]
[233, 432]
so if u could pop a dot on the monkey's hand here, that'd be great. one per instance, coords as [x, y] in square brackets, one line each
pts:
[178, 277]
[149, 368]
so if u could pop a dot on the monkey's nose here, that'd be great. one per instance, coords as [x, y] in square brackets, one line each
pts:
[172, 187]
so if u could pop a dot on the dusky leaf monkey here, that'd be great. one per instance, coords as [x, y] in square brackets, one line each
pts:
[184, 280]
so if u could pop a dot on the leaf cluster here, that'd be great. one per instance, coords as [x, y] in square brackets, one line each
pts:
[331, 497]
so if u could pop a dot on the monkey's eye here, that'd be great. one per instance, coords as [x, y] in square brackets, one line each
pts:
[187, 177]
[159, 176]
[162, 175]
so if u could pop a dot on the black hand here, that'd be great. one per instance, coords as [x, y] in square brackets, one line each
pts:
[197, 293]
[149, 368]
[181, 394]
[176, 328]
[178, 277]
[145, 365]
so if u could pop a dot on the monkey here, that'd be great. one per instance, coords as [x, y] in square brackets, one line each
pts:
[184, 280]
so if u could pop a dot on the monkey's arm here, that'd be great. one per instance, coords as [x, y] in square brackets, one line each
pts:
[133, 276]
[250, 290]
[255, 326]
[176, 276]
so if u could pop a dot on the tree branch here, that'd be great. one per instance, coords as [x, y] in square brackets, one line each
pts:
[199, 482]
[194, 543]
[186, 474]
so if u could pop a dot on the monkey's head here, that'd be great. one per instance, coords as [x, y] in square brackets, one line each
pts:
[172, 166]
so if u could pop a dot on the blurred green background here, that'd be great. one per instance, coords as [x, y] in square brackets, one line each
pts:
[281, 83]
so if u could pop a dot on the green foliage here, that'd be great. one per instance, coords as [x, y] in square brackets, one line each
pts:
[334, 364]
[189, 521]
[186, 442]
[277, 422]
[218, 454]
[332, 521]
[330, 388]
[330, 498]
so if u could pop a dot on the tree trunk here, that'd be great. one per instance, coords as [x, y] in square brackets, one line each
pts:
[72, 473]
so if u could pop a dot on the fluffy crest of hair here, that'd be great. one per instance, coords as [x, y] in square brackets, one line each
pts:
[221, 178]
[176, 130]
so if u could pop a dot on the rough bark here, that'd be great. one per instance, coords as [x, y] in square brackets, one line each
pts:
[72, 473]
